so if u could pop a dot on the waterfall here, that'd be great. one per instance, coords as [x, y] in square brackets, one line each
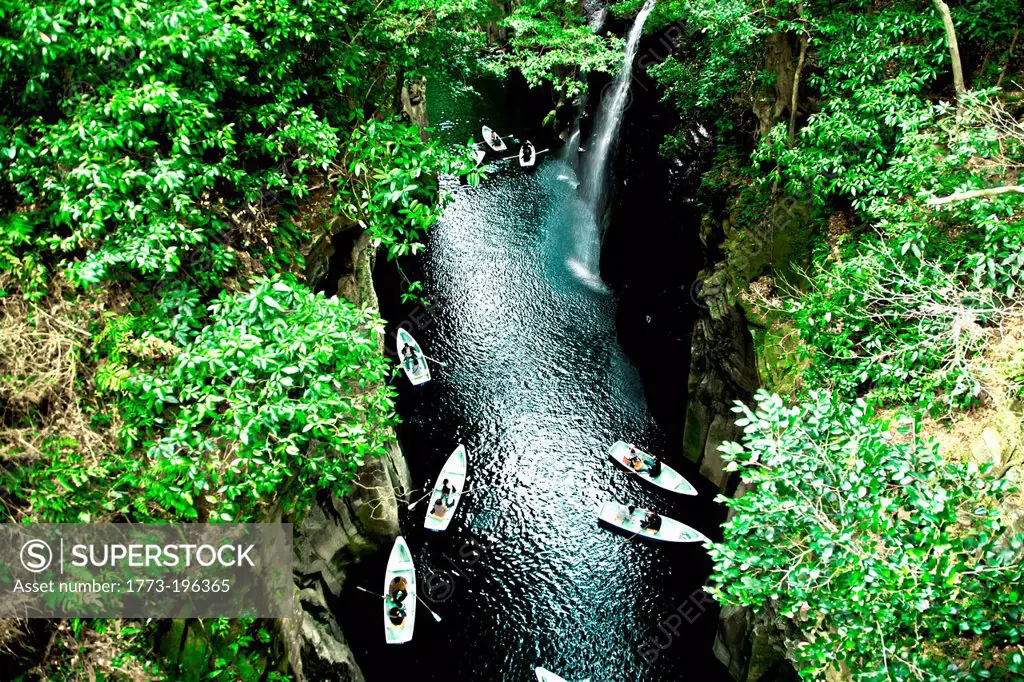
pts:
[570, 153]
[585, 260]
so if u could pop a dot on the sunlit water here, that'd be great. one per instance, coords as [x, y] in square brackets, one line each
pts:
[531, 378]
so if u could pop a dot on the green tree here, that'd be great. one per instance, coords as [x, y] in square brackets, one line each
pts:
[879, 555]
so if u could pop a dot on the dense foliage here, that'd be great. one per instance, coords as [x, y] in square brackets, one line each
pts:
[165, 166]
[875, 230]
[875, 547]
[138, 134]
[873, 137]
[172, 150]
[551, 41]
[258, 402]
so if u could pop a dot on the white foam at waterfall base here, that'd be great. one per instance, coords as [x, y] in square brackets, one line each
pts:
[586, 254]
[586, 276]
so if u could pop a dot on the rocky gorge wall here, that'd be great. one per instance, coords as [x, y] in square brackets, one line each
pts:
[339, 530]
[746, 243]
[678, 260]
[681, 260]
[737, 349]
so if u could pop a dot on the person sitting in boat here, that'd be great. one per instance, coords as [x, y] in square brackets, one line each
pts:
[495, 140]
[398, 590]
[396, 614]
[410, 358]
[654, 467]
[633, 459]
[651, 522]
[527, 151]
[447, 491]
[440, 508]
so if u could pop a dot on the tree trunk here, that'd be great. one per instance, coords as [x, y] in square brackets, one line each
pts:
[954, 48]
[795, 101]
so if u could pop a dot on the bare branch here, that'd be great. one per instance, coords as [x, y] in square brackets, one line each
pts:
[954, 47]
[976, 193]
[794, 104]
[1009, 57]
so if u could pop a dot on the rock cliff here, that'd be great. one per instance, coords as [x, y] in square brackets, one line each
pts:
[339, 530]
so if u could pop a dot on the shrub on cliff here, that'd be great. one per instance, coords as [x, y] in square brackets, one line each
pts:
[856, 121]
[883, 556]
[281, 394]
[163, 155]
[278, 394]
[154, 139]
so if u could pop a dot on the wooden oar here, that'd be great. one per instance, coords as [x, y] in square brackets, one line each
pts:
[623, 543]
[443, 364]
[384, 596]
[627, 540]
[427, 489]
[429, 610]
[412, 505]
[516, 156]
[363, 589]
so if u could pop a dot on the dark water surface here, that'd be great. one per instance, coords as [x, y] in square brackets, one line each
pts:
[536, 385]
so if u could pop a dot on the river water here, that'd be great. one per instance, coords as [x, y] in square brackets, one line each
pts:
[534, 382]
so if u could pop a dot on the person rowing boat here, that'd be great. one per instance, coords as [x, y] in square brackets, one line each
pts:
[633, 459]
[398, 590]
[439, 509]
[646, 524]
[399, 594]
[410, 357]
[447, 491]
[654, 466]
[651, 522]
[649, 467]
[527, 155]
[493, 139]
[641, 461]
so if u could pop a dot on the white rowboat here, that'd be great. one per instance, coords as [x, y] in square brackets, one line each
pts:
[497, 144]
[533, 157]
[454, 472]
[417, 371]
[617, 515]
[669, 478]
[400, 566]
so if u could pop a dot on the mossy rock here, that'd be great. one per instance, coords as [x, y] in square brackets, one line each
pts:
[780, 366]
